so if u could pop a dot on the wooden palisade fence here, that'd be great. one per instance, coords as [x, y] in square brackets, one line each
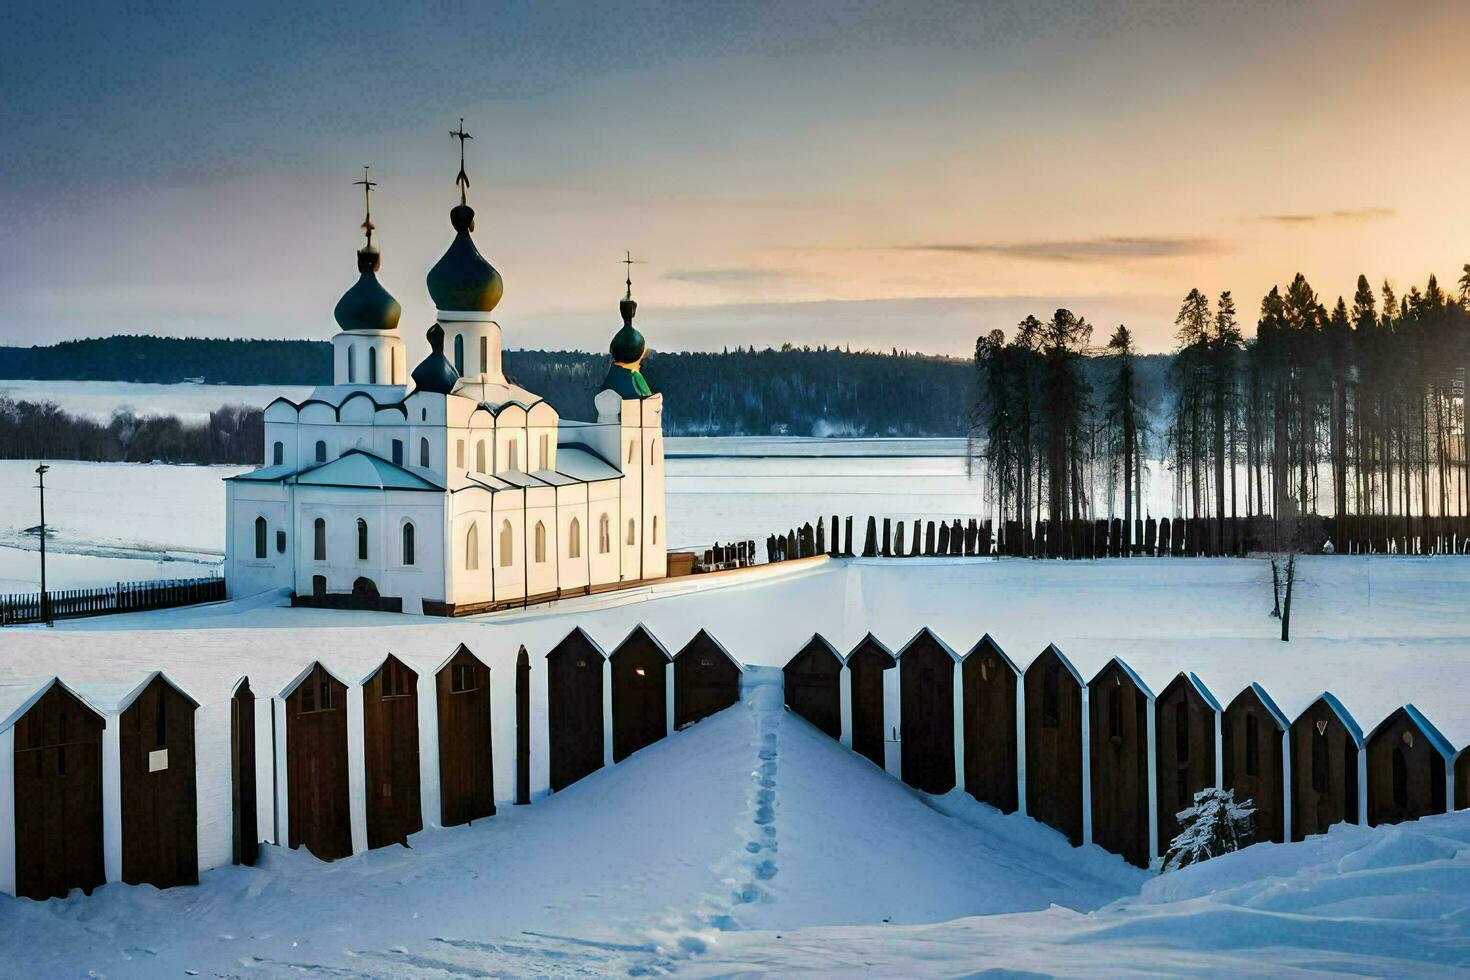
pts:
[1201, 537]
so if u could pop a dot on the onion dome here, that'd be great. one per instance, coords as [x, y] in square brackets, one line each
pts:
[462, 280]
[367, 305]
[434, 372]
[627, 348]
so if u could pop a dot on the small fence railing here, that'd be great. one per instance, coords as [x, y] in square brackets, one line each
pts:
[28, 607]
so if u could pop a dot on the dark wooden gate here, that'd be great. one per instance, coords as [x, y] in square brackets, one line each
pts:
[58, 797]
[160, 810]
[1184, 740]
[1054, 744]
[1324, 769]
[926, 698]
[639, 694]
[1118, 723]
[865, 665]
[813, 685]
[1406, 769]
[989, 680]
[706, 680]
[1254, 759]
[574, 708]
[390, 725]
[245, 834]
[466, 766]
[316, 765]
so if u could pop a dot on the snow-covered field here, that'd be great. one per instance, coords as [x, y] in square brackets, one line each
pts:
[100, 399]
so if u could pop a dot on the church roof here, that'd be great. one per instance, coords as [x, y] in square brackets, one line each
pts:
[462, 280]
[582, 464]
[356, 469]
[359, 469]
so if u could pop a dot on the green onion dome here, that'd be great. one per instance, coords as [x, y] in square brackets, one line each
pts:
[462, 280]
[367, 305]
[627, 345]
[434, 372]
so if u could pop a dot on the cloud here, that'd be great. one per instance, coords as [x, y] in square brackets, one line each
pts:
[726, 277]
[1107, 249]
[1342, 214]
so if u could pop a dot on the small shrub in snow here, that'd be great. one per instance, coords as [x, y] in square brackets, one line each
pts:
[1213, 826]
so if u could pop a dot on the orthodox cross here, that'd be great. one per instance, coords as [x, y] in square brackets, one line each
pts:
[367, 204]
[463, 179]
[629, 261]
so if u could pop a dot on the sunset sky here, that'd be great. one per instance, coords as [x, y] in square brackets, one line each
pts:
[875, 174]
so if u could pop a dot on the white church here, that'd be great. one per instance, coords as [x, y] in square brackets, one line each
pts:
[448, 490]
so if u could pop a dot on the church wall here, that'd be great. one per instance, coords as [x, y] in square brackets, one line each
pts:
[467, 584]
[510, 579]
[604, 497]
[655, 525]
[244, 573]
[572, 521]
[541, 510]
[384, 514]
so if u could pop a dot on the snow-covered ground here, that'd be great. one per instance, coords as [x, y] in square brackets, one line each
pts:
[752, 844]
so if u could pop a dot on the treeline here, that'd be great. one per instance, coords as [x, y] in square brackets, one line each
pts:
[744, 391]
[170, 360]
[31, 430]
[1356, 410]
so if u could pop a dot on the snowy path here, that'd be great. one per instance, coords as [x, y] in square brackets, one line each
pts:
[748, 820]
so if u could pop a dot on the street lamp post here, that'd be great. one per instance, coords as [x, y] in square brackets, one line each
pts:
[41, 471]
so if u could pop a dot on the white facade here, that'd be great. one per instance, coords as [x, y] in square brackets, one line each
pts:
[500, 499]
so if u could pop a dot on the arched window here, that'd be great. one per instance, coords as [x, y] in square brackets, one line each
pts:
[361, 539]
[372, 365]
[397, 452]
[319, 540]
[604, 535]
[574, 533]
[260, 535]
[632, 532]
[484, 355]
[545, 450]
[540, 542]
[321, 451]
[631, 447]
[472, 548]
[507, 544]
[654, 529]
[424, 452]
[459, 353]
[459, 454]
[653, 454]
[480, 457]
[513, 452]
[351, 366]
[278, 453]
[408, 544]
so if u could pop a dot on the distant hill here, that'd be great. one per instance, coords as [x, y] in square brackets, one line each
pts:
[791, 391]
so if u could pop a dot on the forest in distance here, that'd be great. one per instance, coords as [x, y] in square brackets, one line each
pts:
[1368, 391]
[793, 391]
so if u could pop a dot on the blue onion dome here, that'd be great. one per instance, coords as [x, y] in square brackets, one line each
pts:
[434, 372]
[627, 345]
[367, 305]
[462, 279]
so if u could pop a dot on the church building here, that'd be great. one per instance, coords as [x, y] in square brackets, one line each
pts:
[449, 489]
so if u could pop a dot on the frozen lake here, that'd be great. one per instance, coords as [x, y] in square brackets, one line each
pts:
[134, 522]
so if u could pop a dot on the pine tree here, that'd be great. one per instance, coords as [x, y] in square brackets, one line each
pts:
[1213, 825]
